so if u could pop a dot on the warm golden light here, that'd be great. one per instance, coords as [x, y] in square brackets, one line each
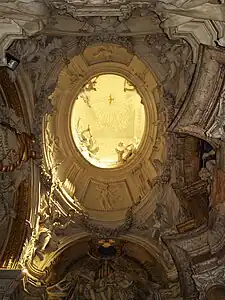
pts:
[108, 121]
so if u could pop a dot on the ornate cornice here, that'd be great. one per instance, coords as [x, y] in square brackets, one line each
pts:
[196, 22]
[119, 8]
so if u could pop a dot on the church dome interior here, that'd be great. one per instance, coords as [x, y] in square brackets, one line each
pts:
[112, 131]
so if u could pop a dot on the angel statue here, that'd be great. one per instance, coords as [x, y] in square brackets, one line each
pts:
[48, 223]
[125, 152]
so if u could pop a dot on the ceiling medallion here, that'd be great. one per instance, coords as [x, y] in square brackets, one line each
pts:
[108, 121]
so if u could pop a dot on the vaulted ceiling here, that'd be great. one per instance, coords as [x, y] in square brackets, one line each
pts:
[112, 149]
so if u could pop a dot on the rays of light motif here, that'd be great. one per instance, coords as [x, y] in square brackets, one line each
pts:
[113, 114]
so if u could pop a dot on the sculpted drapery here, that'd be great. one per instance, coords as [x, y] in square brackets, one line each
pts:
[109, 281]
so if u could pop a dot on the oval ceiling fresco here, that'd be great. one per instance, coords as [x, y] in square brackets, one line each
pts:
[108, 121]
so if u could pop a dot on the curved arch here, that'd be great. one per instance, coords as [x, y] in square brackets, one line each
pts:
[84, 237]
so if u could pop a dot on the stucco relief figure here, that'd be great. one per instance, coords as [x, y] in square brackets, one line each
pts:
[16, 148]
[106, 196]
[125, 152]
[21, 152]
[76, 283]
[176, 13]
[61, 288]
[48, 222]
[29, 15]
[177, 56]
[166, 214]
[87, 142]
[157, 218]
[98, 279]
[92, 287]
[29, 49]
[207, 171]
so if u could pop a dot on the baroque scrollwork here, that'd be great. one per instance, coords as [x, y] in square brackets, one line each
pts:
[191, 20]
[211, 278]
[38, 54]
[107, 232]
[21, 18]
[16, 149]
[25, 151]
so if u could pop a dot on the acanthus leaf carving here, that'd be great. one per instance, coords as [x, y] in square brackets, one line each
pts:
[103, 37]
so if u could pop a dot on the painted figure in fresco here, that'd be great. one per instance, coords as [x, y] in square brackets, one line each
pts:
[88, 143]
[125, 152]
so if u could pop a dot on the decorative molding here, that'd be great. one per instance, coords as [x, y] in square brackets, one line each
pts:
[216, 131]
[107, 8]
[198, 22]
[199, 109]
[20, 20]
[208, 279]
